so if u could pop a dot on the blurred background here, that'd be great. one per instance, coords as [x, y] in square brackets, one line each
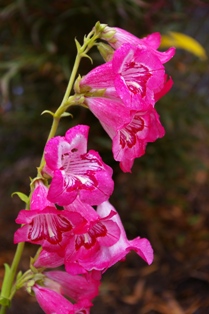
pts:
[166, 197]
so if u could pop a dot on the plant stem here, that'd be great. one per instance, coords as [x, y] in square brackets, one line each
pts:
[62, 108]
[13, 271]
[65, 104]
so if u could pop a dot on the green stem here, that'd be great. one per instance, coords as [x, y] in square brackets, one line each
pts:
[13, 270]
[62, 108]
[3, 309]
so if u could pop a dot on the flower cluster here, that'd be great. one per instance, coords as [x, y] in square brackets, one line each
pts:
[133, 79]
[70, 215]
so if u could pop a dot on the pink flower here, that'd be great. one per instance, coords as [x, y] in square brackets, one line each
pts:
[82, 242]
[116, 37]
[130, 130]
[135, 75]
[97, 245]
[53, 302]
[50, 259]
[60, 287]
[43, 224]
[74, 171]
[85, 245]
[89, 253]
[75, 287]
[39, 199]
[48, 227]
[121, 248]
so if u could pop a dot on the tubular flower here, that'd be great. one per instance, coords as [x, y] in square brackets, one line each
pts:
[39, 199]
[116, 37]
[50, 259]
[135, 75]
[44, 224]
[84, 240]
[49, 227]
[90, 252]
[85, 246]
[76, 288]
[130, 130]
[76, 172]
[53, 302]
[121, 248]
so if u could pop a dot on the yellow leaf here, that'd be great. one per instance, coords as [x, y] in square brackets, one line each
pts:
[185, 42]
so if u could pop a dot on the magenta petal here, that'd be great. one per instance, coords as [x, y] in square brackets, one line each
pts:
[111, 113]
[152, 40]
[63, 190]
[167, 86]
[77, 138]
[143, 248]
[49, 259]
[39, 197]
[52, 302]
[77, 172]
[139, 74]
[51, 153]
[121, 37]
[126, 164]
[130, 130]
[50, 227]
[119, 250]
[21, 234]
[75, 286]
[103, 255]
[100, 77]
[83, 209]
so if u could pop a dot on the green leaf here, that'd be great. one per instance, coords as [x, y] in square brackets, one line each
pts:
[84, 55]
[49, 112]
[66, 114]
[22, 196]
[4, 300]
[78, 46]
[185, 42]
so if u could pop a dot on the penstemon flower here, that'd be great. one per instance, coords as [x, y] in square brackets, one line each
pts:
[130, 130]
[97, 246]
[44, 224]
[59, 215]
[75, 287]
[59, 287]
[135, 73]
[104, 255]
[52, 302]
[116, 37]
[74, 171]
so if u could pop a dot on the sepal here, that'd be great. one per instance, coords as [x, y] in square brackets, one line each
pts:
[106, 51]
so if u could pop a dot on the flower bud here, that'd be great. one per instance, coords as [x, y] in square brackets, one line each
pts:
[106, 51]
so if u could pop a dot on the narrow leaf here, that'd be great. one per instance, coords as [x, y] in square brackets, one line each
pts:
[4, 300]
[78, 46]
[22, 196]
[66, 114]
[87, 56]
[49, 112]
